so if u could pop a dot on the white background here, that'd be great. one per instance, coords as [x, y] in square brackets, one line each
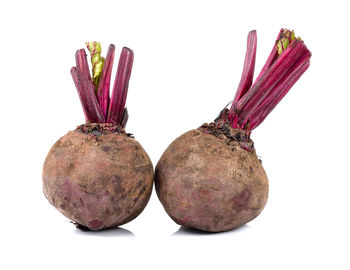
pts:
[188, 61]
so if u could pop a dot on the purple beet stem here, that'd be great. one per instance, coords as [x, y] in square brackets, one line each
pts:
[272, 58]
[280, 91]
[100, 108]
[85, 87]
[248, 104]
[74, 74]
[248, 68]
[247, 74]
[120, 88]
[278, 75]
[125, 118]
[104, 84]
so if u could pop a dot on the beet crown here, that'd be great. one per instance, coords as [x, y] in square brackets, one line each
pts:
[93, 92]
[288, 60]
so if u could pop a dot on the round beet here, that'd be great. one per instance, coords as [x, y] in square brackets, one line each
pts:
[210, 178]
[210, 183]
[98, 181]
[98, 175]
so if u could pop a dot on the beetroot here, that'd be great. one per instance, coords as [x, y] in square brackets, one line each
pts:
[210, 178]
[98, 175]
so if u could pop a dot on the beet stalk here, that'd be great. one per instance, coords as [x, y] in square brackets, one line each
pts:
[120, 89]
[98, 175]
[103, 87]
[210, 178]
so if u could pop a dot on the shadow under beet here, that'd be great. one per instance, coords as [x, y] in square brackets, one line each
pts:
[119, 232]
[186, 231]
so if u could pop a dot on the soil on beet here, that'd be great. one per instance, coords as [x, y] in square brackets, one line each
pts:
[102, 129]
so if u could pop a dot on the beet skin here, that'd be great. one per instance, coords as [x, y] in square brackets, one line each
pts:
[210, 183]
[98, 181]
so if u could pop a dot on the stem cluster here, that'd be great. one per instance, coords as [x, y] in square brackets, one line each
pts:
[288, 60]
[98, 105]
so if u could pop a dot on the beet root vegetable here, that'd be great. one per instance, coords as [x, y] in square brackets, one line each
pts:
[99, 182]
[98, 175]
[210, 178]
[210, 184]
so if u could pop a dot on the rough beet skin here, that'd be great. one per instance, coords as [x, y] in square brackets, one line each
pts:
[98, 181]
[210, 178]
